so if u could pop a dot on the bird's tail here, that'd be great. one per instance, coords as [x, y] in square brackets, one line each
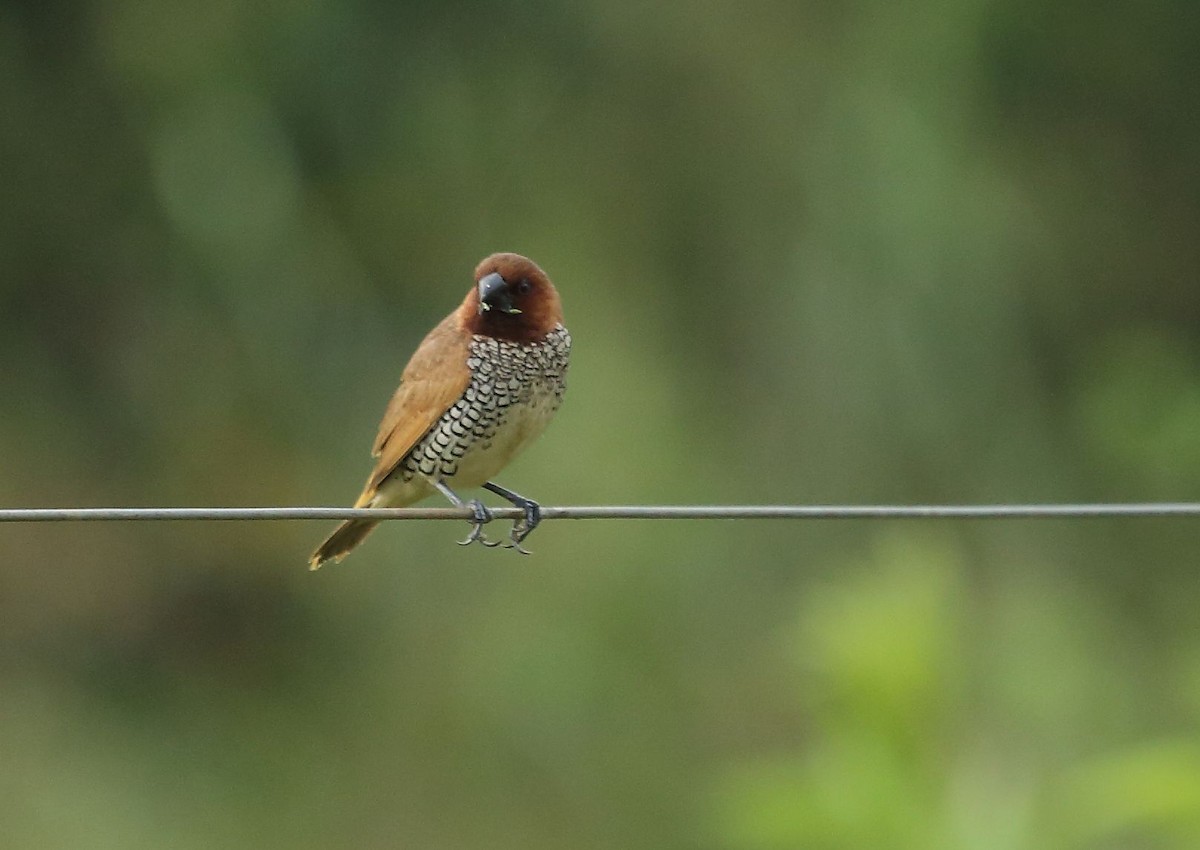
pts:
[348, 535]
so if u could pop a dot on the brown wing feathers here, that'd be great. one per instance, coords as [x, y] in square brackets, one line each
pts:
[434, 379]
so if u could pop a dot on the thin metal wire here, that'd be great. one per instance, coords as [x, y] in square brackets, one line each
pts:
[1043, 511]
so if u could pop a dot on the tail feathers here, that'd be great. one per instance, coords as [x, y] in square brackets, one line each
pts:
[348, 535]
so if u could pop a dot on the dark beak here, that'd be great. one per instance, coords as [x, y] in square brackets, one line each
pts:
[494, 294]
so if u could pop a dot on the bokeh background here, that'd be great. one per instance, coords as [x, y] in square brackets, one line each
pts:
[810, 252]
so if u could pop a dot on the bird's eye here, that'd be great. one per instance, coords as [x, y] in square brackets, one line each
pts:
[524, 286]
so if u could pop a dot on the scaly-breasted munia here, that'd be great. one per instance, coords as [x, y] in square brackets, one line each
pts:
[480, 387]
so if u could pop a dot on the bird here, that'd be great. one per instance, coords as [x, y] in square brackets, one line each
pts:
[480, 387]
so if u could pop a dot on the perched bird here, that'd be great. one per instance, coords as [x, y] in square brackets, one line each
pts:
[480, 387]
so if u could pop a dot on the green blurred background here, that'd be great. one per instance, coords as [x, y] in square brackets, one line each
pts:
[810, 253]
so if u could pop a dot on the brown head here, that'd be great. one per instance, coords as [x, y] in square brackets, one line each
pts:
[512, 299]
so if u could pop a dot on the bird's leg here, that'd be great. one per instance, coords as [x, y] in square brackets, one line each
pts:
[522, 527]
[482, 515]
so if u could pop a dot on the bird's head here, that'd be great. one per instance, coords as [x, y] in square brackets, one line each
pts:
[512, 299]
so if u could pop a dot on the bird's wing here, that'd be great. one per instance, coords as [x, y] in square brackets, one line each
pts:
[435, 378]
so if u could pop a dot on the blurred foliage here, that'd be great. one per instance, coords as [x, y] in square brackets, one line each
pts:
[809, 252]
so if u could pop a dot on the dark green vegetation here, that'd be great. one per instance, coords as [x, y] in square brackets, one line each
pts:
[809, 252]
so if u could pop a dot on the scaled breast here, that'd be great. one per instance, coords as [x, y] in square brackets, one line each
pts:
[515, 389]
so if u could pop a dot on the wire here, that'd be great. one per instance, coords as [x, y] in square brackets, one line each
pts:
[1043, 511]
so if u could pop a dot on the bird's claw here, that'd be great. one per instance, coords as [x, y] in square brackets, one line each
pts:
[482, 516]
[514, 543]
[523, 527]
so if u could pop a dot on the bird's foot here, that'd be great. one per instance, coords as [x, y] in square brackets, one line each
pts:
[481, 518]
[523, 527]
